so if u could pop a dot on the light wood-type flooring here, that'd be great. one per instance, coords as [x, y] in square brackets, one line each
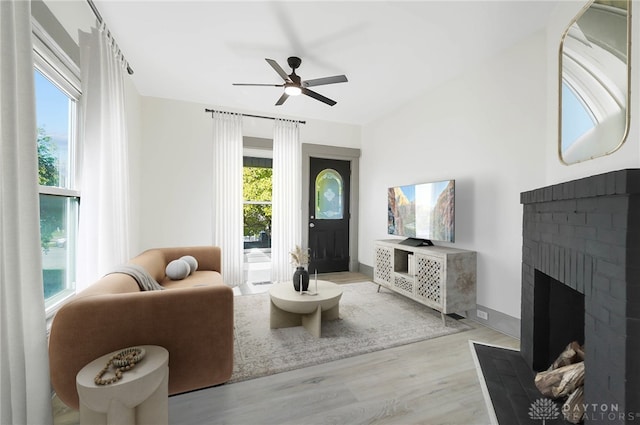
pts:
[431, 382]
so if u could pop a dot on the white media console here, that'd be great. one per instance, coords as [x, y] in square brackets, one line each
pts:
[439, 277]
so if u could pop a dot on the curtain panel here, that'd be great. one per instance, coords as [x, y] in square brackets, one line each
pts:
[103, 235]
[25, 391]
[287, 198]
[227, 194]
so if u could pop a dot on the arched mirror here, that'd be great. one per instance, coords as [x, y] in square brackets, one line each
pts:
[594, 81]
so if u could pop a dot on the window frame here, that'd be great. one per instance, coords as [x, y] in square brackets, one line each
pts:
[55, 65]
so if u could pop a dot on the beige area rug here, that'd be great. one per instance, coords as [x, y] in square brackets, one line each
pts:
[369, 321]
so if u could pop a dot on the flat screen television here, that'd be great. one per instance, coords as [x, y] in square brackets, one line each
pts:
[423, 211]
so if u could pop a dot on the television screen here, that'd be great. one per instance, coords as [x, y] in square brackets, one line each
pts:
[423, 211]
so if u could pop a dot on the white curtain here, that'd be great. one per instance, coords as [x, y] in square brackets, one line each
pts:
[25, 392]
[227, 194]
[103, 236]
[287, 201]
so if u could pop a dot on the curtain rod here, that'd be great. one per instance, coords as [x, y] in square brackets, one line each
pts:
[256, 116]
[94, 9]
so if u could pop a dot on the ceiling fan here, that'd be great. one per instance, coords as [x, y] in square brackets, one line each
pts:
[294, 85]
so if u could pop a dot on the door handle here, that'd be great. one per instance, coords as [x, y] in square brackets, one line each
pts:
[312, 225]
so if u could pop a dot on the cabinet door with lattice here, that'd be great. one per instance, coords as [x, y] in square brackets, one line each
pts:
[430, 280]
[383, 270]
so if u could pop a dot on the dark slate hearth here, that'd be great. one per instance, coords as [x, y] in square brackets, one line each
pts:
[585, 234]
[509, 381]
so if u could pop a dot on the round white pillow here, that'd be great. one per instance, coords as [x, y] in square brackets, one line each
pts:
[178, 269]
[193, 263]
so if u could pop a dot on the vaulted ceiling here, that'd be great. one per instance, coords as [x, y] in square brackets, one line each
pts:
[391, 51]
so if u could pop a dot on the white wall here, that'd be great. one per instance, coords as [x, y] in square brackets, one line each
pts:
[486, 130]
[176, 174]
[133, 105]
[495, 131]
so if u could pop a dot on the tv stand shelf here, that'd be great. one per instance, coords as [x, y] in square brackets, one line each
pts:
[439, 277]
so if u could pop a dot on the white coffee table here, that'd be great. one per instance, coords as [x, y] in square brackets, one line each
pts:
[291, 308]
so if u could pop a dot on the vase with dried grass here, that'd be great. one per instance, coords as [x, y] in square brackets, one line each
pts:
[300, 258]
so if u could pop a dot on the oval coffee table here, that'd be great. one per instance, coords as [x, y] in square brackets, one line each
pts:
[290, 308]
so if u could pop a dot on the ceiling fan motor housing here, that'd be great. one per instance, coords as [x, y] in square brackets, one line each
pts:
[294, 62]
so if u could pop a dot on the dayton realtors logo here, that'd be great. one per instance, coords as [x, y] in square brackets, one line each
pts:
[543, 409]
[598, 412]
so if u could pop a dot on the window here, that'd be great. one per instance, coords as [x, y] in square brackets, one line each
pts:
[257, 190]
[57, 95]
[329, 203]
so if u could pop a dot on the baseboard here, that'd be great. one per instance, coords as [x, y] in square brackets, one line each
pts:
[497, 320]
[366, 270]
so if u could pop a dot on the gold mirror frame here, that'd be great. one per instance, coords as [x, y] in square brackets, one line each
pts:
[596, 110]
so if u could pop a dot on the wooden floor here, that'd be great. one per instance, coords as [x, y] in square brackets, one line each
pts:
[431, 382]
[344, 277]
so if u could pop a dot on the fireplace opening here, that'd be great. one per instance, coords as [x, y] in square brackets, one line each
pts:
[558, 319]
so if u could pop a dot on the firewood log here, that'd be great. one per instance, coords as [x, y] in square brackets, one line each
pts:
[562, 381]
[573, 353]
[573, 408]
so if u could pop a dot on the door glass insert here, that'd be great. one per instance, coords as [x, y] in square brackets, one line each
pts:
[329, 195]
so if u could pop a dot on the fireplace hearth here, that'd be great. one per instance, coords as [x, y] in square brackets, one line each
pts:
[581, 246]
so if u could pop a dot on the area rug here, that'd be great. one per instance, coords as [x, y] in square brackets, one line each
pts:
[369, 321]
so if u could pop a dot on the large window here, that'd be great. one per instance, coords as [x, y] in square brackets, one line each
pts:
[57, 95]
[257, 173]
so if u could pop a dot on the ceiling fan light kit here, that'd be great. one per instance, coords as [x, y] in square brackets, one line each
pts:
[292, 90]
[294, 85]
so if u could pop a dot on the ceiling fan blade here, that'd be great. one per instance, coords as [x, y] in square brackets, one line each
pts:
[261, 85]
[278, 69]
[282, 99]
[325, 80]
[318, 96]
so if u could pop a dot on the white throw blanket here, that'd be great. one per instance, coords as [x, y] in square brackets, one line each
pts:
[145, 281]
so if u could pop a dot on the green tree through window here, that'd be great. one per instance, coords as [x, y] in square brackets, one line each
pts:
[48, 174]
[257, 190]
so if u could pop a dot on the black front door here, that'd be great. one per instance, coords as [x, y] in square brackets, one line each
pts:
[329, 185]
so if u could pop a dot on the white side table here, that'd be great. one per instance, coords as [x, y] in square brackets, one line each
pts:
[140, 397]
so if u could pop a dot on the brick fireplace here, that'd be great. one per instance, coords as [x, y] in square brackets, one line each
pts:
[585, 235]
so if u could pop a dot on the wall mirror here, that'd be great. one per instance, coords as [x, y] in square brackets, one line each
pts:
[594, 81]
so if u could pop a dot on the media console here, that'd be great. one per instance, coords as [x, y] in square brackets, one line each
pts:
[439, 277]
